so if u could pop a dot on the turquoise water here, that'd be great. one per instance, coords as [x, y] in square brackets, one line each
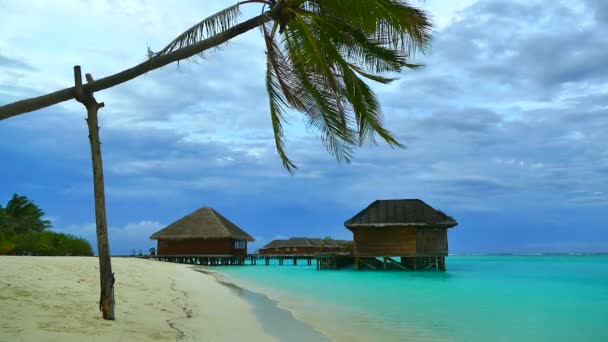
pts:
[479, 298]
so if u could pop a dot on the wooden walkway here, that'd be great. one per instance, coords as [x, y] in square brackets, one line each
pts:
[325, 261]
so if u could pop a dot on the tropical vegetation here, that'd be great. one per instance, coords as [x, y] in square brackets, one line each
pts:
[23, 231]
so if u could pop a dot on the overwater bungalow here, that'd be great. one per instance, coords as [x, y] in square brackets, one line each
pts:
[407, 228]
[305, 246]
[203, 232]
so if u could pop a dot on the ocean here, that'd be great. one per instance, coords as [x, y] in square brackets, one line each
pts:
[478, 298]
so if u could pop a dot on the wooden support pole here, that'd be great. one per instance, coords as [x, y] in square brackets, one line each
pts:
[384, 262]
[357, 263]
[414, 263]
[106, 276]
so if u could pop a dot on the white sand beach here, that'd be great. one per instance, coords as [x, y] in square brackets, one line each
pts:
[55, 299]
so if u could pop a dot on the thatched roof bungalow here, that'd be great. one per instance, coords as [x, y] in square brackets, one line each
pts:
[203, 232]
[304, 246]
[406, 228]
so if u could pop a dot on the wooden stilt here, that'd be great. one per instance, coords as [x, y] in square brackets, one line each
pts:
[384, 262]
[357, 263]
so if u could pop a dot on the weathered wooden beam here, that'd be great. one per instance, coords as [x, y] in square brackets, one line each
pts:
[364, 261]
[398, 264]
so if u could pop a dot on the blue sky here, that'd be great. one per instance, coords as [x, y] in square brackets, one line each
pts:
[505, 127]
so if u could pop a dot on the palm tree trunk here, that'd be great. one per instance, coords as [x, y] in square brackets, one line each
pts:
[153, 63]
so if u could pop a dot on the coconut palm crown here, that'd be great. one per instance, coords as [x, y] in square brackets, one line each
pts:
[319, 54]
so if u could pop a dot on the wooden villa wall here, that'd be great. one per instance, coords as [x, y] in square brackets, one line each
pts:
[199, 247]
[300, 250]
[432, 241]
[392, 241]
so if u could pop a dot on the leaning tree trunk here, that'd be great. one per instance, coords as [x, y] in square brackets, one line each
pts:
[35, 103]
[106, 277]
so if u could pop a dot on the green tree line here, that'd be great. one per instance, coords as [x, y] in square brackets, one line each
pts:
[23, 230]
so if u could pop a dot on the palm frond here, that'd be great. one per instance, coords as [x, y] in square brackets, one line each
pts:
[392, 22]
[320, 91]
[278, 90]
[206, 28]
[277, 104]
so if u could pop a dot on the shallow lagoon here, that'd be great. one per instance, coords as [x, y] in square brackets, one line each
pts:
[479, 298]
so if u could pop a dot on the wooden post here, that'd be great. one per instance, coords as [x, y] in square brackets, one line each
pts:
[414, 263]
[357, 263]
[106, 277]
[442, 263]
[295, 261]
[384, 262]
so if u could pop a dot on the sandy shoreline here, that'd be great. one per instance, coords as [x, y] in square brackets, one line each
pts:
[55, 299]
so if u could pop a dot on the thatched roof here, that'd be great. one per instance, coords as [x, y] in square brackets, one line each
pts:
[300, 242]
[205, 223]
[400, 213]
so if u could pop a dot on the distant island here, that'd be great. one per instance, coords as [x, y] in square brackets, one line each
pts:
[23, 231]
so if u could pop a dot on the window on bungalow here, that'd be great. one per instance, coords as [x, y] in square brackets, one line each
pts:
[240, 244]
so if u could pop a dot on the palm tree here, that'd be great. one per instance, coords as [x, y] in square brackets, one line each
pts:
[23, 215]
[319, 55]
